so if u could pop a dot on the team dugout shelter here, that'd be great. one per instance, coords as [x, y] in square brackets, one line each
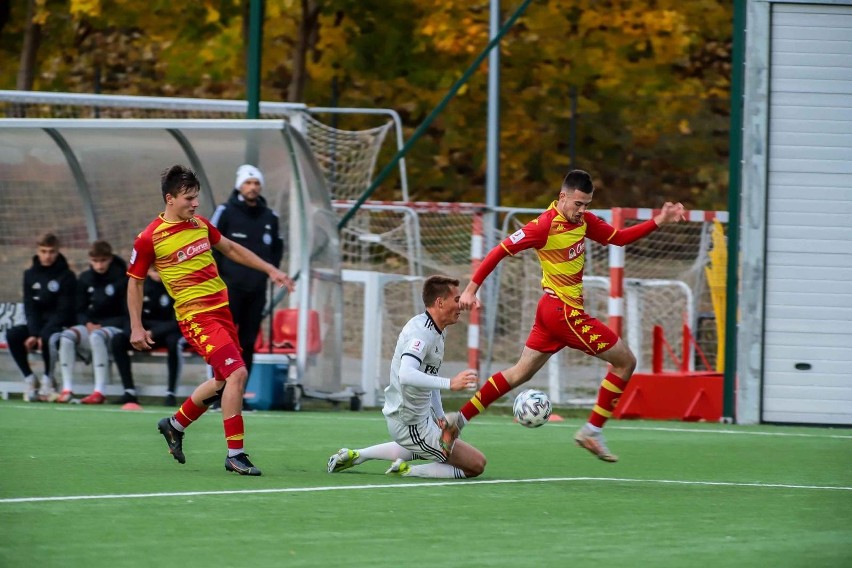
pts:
[89, 179]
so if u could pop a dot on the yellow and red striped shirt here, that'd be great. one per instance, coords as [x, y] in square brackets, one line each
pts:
[182, 254]
[561, 248]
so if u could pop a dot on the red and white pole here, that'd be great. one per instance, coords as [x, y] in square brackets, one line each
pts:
[616, 277]
[476, 255]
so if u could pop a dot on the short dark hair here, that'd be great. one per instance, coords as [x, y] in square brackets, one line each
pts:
[178, 179]
[100, 249]
[437, 287]
[48, 240]
[578, 180]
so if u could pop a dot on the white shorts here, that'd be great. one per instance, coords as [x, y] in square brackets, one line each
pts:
[424, 438]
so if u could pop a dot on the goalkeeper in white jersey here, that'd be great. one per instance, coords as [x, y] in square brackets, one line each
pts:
[413, 408]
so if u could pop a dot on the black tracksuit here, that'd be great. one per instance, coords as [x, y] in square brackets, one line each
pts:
[256, 228]
[48, 306]
[102, 298]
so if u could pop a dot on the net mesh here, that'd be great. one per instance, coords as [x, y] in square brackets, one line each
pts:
[347, 158]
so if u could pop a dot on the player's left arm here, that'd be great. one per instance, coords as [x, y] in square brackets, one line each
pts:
[602, 232]
[241, 255]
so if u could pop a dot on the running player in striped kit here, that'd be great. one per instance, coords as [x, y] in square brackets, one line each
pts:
[179, 244]
[413, 408]
[559, 238]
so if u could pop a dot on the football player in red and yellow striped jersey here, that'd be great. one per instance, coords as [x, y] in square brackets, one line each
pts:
[559, 238]
[179, 244]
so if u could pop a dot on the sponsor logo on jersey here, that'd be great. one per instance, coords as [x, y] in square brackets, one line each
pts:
[416, 346]
[53, 286]
[517, 236]
[133, 256]
[230, 361]
[577, 249]
[193, 250]
[109, 290]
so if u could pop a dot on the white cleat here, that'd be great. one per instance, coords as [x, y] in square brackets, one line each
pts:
[343, 459]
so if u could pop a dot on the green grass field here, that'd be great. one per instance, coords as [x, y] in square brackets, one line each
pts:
[88, 486]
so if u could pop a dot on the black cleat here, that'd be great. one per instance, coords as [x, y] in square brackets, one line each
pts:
[174, 438]
[240, 464]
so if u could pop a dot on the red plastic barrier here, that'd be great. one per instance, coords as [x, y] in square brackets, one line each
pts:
[690, 397]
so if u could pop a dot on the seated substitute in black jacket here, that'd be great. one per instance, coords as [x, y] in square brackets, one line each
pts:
[101, 314]
[49, 286]
[246, 219]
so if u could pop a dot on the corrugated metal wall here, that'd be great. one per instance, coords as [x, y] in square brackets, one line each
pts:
[807, 349]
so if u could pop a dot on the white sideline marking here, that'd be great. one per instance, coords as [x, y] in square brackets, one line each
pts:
[456, 483]
[490, 421]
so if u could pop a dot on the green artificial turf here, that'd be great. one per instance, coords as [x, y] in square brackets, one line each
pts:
[681, 495]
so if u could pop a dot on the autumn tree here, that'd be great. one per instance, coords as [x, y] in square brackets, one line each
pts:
[651, 80]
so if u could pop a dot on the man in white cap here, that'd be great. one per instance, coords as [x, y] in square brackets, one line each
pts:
[246, 219]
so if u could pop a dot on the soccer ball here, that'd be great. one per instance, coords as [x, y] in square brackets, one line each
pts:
[532, 408]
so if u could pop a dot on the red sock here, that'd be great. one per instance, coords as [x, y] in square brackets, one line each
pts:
[495, 387]
[611, 388]
[234, 432]
[189, 412]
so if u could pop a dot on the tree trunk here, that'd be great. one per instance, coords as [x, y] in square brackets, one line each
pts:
[32, 39]
[5, 14]
[305, 42]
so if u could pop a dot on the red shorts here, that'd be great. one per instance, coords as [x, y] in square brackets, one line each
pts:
[558, 325]
[213, 336]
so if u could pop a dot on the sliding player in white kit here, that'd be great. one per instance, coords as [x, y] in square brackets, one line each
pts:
[413, 408]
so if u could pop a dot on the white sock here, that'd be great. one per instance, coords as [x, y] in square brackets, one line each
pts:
[100, 360]
[436, 470]
[593, 428]
[67, 354]
[29, 380]
[232, 453]
[389, 451]
[176, 425]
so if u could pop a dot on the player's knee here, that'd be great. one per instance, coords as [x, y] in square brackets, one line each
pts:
[238, 377]
[67, 336]
[98, 337]
[476, 467]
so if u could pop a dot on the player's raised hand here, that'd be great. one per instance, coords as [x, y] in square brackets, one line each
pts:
[467, 379]
[671, 213]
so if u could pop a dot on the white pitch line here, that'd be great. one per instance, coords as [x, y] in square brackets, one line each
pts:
[417, 485]
[489, 422]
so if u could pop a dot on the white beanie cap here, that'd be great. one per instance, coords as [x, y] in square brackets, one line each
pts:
[247, 172]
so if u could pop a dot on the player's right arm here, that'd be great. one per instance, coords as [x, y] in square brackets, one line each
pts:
[532, 235]
[140, 339]
[140, 260]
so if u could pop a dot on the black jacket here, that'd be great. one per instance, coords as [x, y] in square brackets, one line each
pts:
[49, 296]
[102, 298]
[256, 228]
[157, 305]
